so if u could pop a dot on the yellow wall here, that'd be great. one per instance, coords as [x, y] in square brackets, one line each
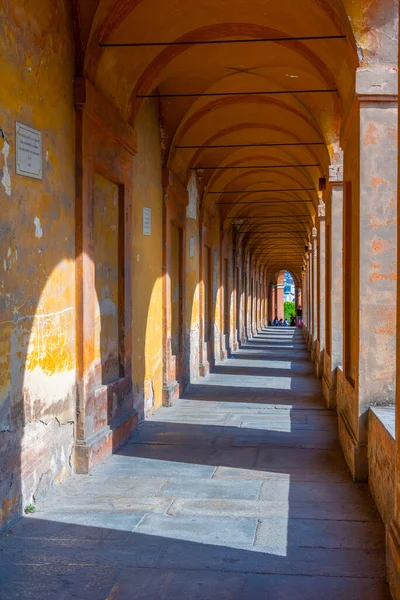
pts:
[37, 315]
[147, 263]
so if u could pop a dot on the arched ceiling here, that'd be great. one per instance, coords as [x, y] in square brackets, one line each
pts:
[259, 154]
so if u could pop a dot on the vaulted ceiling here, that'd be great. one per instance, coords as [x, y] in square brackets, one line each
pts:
[251, 93]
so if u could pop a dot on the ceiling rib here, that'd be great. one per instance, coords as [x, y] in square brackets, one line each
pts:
[263, 191]
[219, 94]
[309, 38]
[255, 145]
[269, 217]
[253, 167]
[265, 202]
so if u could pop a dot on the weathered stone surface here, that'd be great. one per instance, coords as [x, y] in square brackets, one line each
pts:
[210, 511]
[231, 531]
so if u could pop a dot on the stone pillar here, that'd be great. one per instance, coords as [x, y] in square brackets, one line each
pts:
[254, 302]
[309, 295]
[236, 299]
[314, 297]
[106, 410]
[297, 299]
[271, 302]
[279, 300]
[306, 295]
[242, 307]
[393, 528]
[320, 296]
[334, 289]
[174, 342]
[249, 299]
[370, 271]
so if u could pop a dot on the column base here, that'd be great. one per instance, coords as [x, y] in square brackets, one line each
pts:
[318, 360]
[329, 388]
[204, 369]
[355, 453]
[393, 559]
[93, 451]
[170, 393]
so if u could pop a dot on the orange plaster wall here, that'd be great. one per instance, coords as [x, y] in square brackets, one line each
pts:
[147, 263]
[106, 278]
[351, 330]
[37, 250]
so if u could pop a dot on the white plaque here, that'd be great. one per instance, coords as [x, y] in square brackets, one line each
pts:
[146, 221]
[191, 246]
[28, 155]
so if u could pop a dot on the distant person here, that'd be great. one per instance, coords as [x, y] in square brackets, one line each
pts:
[275, 322]
[292, 321]
[299, 314]
[280, 323]
[285, 323]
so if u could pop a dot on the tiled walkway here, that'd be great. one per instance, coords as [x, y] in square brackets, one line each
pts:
[238, 492]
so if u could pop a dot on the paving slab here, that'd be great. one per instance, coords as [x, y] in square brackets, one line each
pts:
[305, 561]
[278, 587]
[154, 584]
[238, 492]
[308, 533]
[345, 511]
[57, 582]
[211, 488]
[221, 531]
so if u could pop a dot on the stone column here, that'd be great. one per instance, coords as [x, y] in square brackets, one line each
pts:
[174, 212]
[279, 300]
[106, 410]
[298, 300]
[334, 288]
[393, 528]
[271, 302]
[236, 299]
[370, 270]
[306, 295]
[309, 295]
[320, 296]
[314, 297]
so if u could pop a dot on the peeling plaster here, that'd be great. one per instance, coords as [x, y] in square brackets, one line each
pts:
[6, 179]
[38, 227]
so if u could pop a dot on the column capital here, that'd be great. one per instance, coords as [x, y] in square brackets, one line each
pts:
[378, 84]
[321, 211]
[336, 174]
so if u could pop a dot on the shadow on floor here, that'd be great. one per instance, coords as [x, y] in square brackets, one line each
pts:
[235, 493]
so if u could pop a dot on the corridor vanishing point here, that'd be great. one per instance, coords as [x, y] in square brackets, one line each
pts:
[163, 166]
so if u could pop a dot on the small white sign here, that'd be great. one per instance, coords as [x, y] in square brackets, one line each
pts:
[191, 246]
[146, 221]
[29, 154]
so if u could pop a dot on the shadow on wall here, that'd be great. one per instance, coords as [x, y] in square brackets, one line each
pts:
[37, 436]
[38, 336]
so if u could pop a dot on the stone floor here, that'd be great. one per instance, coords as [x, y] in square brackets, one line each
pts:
[240, 491]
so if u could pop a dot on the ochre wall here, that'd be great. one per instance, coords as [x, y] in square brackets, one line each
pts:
[106, 266]
[37, 314]
[147, 263]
